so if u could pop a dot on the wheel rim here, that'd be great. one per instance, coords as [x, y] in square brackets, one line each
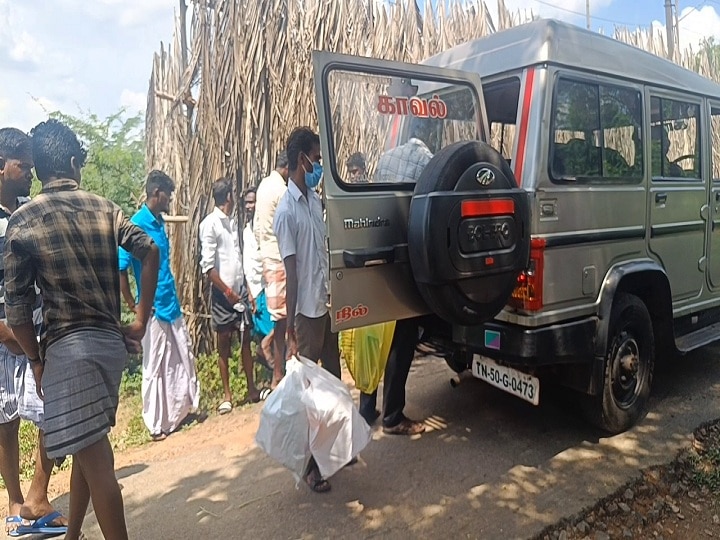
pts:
[627, 371]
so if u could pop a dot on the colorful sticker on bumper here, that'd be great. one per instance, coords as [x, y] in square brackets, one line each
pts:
[492, 339]
[414, 106]
[349, 313]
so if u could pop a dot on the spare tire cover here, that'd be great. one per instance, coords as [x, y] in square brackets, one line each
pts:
[468, 233]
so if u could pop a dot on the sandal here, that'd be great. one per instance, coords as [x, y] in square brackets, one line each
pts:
[157, 437]
[225, 407]
[405, 427]
[316, 482]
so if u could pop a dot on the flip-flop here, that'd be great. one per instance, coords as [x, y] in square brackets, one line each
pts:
[10, 521]
[225, 407]
[405, 427]
[265, 393]
[42, 525]
[317, 483]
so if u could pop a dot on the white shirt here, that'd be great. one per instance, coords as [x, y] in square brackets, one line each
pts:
[267, 197]
[220, 248]
[252, 262]
[300, 231]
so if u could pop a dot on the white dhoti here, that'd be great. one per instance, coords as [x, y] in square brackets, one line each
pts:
[170, 387]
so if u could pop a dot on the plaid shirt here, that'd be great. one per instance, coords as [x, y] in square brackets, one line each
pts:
[66, 239]
[403, 163]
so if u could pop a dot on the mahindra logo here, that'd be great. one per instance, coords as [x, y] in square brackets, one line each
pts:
[485, 177]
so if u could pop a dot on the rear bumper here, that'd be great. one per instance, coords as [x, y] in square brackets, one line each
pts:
[566, 343]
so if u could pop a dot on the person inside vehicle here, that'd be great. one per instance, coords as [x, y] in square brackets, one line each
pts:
[357, 169]
[404, 163]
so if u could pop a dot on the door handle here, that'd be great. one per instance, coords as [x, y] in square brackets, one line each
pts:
[717, 196]
[661, 198]
[360, 258]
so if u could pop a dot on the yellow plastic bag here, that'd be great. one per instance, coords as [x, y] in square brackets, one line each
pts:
[365, 351]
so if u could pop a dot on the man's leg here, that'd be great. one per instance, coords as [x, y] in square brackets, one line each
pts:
[248, 365]
[279, 352]
[223, 356]
[368, 407]
[310, 334]
[10, 465]
[330, 354]
[36, 503]
[402, 351]
[79, 501]
[97, 464]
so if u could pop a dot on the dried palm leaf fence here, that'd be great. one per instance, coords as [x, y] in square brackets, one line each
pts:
[225, 104]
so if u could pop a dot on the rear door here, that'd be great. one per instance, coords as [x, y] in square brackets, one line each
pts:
[366, 107]
[678, 193]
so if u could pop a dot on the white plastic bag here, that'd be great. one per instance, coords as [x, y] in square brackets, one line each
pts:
[311, 412]
[283, 429]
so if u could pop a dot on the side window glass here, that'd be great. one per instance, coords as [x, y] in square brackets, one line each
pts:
[386, 129]
[597, 133]
[675, 143]
[715, 132]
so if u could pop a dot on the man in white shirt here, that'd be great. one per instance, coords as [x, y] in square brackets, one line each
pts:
[300, 232]
[269, 193]
[263, 326]
[221, 261]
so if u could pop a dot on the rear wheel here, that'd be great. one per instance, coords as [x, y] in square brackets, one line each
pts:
[628, 367]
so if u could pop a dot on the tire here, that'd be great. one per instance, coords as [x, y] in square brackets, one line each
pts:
[455, 284]
[628, 368]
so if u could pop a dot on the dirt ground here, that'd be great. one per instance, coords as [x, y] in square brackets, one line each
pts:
[489, 466]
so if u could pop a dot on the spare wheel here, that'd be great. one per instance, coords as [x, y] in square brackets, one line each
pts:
[468, 233]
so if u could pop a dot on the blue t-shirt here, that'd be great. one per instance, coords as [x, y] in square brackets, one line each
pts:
[167, 306]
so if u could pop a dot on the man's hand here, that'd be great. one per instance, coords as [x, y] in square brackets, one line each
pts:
[133, 334]
[232, 297]
[253, 305]
[37, 369]
[291, 342]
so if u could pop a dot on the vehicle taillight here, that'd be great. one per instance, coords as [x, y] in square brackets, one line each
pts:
[527, 295]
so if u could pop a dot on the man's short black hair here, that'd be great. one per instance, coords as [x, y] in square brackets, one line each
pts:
[158, 180]
[221, 188]
[53, 146]
[281, 161]
[251, 189]
[14, 144]
[300, 141]
[357, 160]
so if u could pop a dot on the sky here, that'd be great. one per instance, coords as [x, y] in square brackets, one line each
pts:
[96, 55]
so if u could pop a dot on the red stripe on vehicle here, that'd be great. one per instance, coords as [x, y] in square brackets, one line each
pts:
[522, 137]
[498, 207]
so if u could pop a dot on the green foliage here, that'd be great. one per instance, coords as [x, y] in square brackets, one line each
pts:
[134, 433]
[115, 167]
[707, 469]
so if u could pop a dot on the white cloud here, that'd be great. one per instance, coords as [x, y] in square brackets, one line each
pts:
[564, 10]
[697, 24]
[133, 102]
[126, 12]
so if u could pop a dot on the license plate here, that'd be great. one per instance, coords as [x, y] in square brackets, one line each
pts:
[508, 379]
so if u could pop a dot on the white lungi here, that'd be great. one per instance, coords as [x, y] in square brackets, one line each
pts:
[170, 387]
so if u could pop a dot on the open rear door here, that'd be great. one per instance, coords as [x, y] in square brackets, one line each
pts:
[380, 124]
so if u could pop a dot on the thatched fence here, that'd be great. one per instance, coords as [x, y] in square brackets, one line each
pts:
[223, 103]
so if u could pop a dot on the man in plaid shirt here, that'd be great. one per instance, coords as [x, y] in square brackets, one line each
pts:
[66, 240]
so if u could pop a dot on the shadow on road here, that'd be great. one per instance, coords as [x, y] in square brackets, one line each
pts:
[490, 466]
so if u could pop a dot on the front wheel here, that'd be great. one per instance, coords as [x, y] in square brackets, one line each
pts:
[628, 368]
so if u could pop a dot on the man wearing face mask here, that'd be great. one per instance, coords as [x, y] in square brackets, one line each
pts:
[300, 231]
[170, 387]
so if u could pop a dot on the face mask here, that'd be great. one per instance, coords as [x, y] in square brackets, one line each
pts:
[312, 179]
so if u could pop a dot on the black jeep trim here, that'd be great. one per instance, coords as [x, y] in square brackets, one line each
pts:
[564, 343]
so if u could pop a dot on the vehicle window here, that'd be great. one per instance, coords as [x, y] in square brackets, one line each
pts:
[386, 129]
[675, 138]
[715, 131]
[597, 133]
[501, 104]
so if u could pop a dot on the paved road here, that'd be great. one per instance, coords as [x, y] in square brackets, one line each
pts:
[490, 466]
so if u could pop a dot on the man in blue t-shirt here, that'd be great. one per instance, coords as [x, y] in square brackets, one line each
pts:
[170, 387]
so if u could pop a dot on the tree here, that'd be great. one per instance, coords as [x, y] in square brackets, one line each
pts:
[115, 166]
